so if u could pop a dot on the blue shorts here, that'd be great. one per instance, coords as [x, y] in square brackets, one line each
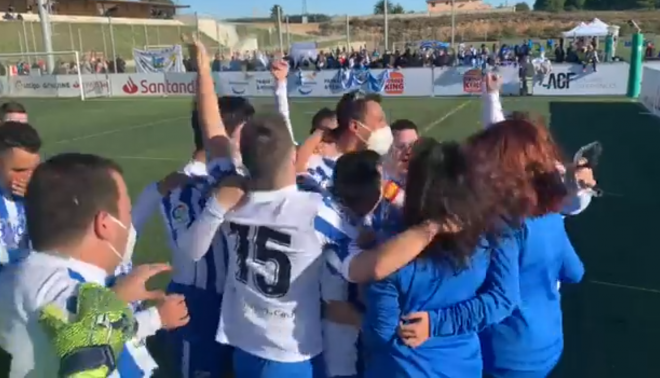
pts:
[194, 347]
[249, 365]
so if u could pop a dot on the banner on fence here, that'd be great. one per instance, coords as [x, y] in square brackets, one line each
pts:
[574, 80]
[460, 81]
[650, 92]
[169, 59]
[94, 85]
[165, 84]
[563, 80]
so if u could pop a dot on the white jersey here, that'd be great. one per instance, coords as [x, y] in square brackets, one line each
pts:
[271, 306]
[43, 279]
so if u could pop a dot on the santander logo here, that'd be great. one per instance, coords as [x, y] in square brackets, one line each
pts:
[129, 87]
[177, 84]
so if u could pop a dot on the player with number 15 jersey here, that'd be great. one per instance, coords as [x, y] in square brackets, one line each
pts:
[276, 238]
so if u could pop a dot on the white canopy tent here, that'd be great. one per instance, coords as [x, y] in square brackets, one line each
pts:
[595, 28]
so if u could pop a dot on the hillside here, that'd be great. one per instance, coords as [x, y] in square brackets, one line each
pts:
[492, 26]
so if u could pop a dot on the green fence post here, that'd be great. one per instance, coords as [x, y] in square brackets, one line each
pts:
[635, 73]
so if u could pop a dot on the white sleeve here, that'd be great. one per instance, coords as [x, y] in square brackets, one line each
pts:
[353, 250]
[283, 106]
[145, 206]
[492, 109]
[333, 286]
[148, 322]
[196, 239]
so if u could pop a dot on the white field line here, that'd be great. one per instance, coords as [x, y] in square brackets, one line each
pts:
[444, 117]
[124, 129]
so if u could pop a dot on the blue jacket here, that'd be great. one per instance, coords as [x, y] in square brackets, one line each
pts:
[531, 339]
[457, 311]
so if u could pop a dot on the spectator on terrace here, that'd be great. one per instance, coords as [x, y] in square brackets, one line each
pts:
[216, 66]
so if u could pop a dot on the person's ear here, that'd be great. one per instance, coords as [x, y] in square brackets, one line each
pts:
[101, 225]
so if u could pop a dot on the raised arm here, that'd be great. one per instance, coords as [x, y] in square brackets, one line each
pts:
[492, 106]
[280, 71]
[216, 140]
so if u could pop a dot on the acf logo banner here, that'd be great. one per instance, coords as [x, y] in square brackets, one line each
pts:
[561, 80]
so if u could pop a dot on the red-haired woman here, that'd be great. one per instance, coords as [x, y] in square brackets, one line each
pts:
[529, 343]
[578, 198]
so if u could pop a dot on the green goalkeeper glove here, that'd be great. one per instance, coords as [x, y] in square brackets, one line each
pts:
[90, 344]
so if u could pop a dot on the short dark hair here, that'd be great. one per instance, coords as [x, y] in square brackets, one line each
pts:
[321, 116]
[403, 124]
[352, 106]
[265, 145]
[19, 135]
[235, 111]
[12, 107]
[356, 179]
[64, 195]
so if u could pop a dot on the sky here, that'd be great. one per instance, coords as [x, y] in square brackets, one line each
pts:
[261, 8]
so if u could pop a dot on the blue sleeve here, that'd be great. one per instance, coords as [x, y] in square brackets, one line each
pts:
[383, 312]
[572, 268]
[220, 168]
[497, 297]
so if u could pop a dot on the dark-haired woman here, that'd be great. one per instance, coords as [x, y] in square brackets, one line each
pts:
[529, 343]
[439, 288]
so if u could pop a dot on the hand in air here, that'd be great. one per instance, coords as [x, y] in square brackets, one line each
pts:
[132, 287]
[231, 191]
[414, 329]
[584, 175]
[196, 50]
[280, 70]
[493, 82]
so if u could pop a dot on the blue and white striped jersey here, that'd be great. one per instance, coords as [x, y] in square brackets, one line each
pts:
[319, 173]
[180, 209]
[14, 242]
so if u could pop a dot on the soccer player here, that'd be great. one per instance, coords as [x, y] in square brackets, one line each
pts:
[396, 164]
[19, 156]
[13, 111]
[199, 253]
[361, 124]
[201, 281]
[79, 218]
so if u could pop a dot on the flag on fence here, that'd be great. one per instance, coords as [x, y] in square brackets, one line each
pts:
[169, 59]
[362, 78]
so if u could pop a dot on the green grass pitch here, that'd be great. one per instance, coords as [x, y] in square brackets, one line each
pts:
[610, 319]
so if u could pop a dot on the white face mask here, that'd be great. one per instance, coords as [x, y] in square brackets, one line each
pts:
[380, 140]
[127, 256]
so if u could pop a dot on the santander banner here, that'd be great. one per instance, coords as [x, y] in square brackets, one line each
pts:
[168, 84]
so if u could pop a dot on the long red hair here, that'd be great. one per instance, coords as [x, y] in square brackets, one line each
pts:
[526, 161]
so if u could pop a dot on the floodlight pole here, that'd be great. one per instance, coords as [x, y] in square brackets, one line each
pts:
[112, 43]
[44, 15]
[453, 24]
[386, 25]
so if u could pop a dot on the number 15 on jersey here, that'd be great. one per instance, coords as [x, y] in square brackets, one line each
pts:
[260, 265]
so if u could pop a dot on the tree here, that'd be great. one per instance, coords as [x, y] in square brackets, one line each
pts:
[541, 5]
[392, 8]
[522, 7]
[273, 11]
